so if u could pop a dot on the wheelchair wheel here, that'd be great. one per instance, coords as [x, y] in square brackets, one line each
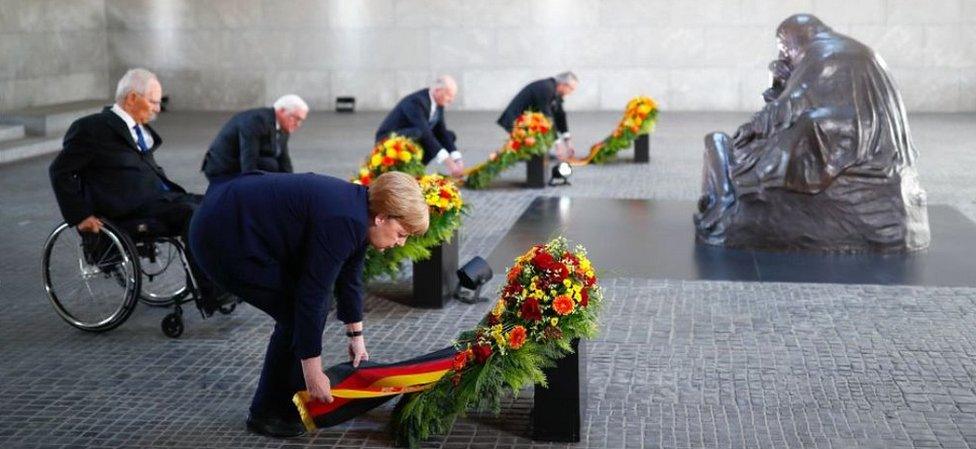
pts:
[163, 277]
[92, 280]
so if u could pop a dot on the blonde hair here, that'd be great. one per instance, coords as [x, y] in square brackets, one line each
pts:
[398, 195]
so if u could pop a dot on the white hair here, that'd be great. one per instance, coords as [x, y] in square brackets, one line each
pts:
[444, 82]
[291, 103]
[135, 80]
[566, 78]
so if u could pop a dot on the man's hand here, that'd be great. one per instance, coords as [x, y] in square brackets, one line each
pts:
[316, 382]
[564, 150]
[90, 224]
[357, 350]
[454, 167]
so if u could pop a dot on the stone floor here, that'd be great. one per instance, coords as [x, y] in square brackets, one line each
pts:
[678, 364]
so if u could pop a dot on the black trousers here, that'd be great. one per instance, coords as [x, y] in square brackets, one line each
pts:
[174, 210]
[281, 375]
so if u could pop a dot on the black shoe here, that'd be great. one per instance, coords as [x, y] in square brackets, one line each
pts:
[275, 427]
[223, 301]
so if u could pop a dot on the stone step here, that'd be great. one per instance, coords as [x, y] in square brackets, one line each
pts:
[11, 132]
[51, 120]
[28, 147]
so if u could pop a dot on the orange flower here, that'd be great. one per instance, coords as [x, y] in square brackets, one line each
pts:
[461, 359]
[529, 141]
[515, 272]
[516, 337]
[563, 305]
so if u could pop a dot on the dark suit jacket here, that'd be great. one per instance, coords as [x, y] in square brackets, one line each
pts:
[537, 96]
[248, 142]
[100, 171]
[413, 111]
[299, 234]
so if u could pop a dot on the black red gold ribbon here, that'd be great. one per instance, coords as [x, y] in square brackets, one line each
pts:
[358, 390]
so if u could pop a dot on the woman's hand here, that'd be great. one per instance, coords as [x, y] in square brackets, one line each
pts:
[357, 350]
[316, 382]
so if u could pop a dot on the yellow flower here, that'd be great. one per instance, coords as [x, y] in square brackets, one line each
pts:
[363, 172]
[405, 156]
[499, 308]
[376, 160]
[391, 152]
[554, 321]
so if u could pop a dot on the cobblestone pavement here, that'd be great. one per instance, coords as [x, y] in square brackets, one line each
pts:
[678, 364]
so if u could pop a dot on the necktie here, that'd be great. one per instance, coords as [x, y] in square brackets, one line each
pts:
[281, 142]
[140, 140]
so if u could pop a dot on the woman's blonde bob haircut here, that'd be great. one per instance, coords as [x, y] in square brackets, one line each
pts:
[398, 195]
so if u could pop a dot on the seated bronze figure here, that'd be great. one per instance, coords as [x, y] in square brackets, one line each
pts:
[828, 164]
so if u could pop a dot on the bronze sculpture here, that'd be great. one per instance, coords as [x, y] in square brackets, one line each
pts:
[828, 164]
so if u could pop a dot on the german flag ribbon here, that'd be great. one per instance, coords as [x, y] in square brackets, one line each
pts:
[358, 390]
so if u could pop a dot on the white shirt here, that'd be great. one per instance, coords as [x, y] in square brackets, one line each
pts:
[130, 124]
[433, 105]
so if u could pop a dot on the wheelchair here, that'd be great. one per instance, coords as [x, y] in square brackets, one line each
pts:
[94, 280]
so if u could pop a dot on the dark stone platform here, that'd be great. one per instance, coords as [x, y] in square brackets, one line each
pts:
[655, 239]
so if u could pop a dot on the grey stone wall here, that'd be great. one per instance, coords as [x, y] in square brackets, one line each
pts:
[52, 51]
[689, 54]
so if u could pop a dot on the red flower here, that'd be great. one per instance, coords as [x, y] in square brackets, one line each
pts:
[481, 353]
[513, 288]
[492, 320]
[542, 260]
[516, 337]
[585, 298]
[570, 258]
[388, 161]
[530, 310]
[563, 305]
[445, 194]
[516, 145]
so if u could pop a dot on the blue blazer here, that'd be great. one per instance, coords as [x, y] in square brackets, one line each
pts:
[248, 141]
[537, 96]
[300, 234]
[413, 111]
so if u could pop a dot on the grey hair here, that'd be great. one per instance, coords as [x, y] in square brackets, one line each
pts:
[135, 80]
[566, 78]
[444, 82]
[291, 103]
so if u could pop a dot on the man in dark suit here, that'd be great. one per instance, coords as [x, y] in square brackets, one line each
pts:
[287, 244]
[256, 139]
[545, 96]
[107, 170]
[420, 116]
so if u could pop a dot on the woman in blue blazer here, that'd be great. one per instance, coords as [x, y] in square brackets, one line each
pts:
[288, 244]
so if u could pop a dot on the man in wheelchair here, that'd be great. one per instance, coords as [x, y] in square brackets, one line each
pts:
[106, 170]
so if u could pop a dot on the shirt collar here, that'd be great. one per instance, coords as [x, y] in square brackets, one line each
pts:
[129, 121]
